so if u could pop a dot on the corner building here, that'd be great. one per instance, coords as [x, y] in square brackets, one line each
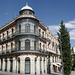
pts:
[27, 46]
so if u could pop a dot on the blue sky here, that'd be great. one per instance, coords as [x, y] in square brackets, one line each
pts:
[50, 12]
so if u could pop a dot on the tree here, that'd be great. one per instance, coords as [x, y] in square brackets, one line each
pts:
[66, 48]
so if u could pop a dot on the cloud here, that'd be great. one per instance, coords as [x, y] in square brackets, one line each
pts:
[72, 34]
[54, 29]
[70, 25]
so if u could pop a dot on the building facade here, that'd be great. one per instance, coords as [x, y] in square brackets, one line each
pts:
[73, 57]
[27, 46]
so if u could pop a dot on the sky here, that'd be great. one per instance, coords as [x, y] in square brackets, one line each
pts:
[50, 12]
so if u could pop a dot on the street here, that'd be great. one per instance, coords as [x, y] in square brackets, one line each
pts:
[9, 73]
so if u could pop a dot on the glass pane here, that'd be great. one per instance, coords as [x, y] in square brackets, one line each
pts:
[11, 65]
[5, 65]
[27, 45]
[19, 28]
[19, 65]
[35, 66]
[27, 66]
[27, 27]
[34, 45]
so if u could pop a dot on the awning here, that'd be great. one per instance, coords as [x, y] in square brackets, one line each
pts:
[56, 64]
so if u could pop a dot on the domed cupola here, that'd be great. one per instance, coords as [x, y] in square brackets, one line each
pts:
[26, 10]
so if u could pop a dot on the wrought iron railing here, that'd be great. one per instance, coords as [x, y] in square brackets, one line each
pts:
[42, 36]
[7, 37]
[30, 31]
[32, 49]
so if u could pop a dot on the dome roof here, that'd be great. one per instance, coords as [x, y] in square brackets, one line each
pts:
[26, 7]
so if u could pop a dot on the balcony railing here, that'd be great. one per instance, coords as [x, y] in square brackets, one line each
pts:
[42, 36]
[8, 51]
[27, 32]
[8, 37]
[17, 32]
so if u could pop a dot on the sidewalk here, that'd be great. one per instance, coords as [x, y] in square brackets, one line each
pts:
[59, 73]
[10, 73]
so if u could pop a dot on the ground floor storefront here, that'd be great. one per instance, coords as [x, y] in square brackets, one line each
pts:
[27, 64]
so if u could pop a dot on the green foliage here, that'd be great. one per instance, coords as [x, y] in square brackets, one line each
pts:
[66, 48]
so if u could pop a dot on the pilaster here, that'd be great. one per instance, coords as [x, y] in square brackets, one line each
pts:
[8, 64]
[14, 65]
[3, 65]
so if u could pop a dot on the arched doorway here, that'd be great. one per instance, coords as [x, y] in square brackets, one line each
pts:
[27, 65]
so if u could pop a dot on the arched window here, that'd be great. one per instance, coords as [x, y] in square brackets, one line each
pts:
[27, 27]
[6, 47]
[27, 65]
[11, 46]
[40, 65]
[34, 29]
[40, 46]
[19, 28]
[12, 31]
[2, 48]
[5, 64]
[35, 64]
[11, 64]
[27, 44]
[19, 45]
[34, 45]
[56, 48]
[43, 47]
[44, 64]
[7, 33]
[1, 63]
[3, 35]
[40, 32]
[18, 65]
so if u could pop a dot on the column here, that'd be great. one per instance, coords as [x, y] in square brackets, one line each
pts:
[14, 65]
[22, 65]
[42, 65]
[32, 65]
[8, 64]
[3, 69]
[46, 63]
[51, 68]
[0, 64]
[38, 66]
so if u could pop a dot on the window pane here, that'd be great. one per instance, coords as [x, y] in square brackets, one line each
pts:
[27, 27]
[5, 65]
[18, 65]
[27, 66]
[27, 44]
[34, 45]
